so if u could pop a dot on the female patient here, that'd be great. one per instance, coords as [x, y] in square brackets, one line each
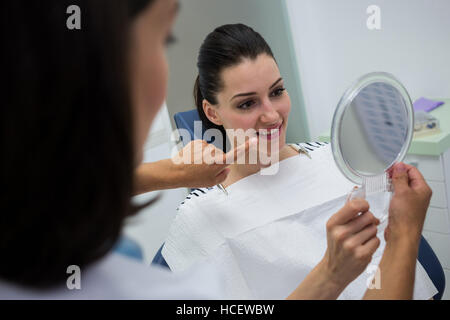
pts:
[240, 87]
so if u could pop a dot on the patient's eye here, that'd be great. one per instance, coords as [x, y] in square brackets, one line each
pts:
[246, 105]
[277, 92]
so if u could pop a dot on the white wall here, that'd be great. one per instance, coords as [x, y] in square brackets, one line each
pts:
[334, 47]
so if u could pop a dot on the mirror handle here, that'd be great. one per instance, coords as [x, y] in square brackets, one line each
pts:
[357, 193]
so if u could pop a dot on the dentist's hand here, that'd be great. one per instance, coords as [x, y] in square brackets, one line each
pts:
[197, 165]
[352, 240]
[200, 164]
[193, 171]
[409, 203]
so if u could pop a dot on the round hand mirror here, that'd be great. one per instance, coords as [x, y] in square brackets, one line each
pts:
[372, 127]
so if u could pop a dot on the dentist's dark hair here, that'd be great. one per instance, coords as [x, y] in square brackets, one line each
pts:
[225, 47]
[66, 136]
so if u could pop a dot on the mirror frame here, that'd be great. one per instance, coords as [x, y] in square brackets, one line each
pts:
[346, 100]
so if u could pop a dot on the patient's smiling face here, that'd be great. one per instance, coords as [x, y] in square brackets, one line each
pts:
[252, 97]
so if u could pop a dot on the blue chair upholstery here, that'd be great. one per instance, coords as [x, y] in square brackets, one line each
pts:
[426, 257]
[185, 120]
[432, 266]
[128, 247]
[159, 259]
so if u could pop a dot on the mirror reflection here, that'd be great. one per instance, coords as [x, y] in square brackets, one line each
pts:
[373, 129]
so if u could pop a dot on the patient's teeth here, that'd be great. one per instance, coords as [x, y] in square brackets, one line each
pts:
[267, 132]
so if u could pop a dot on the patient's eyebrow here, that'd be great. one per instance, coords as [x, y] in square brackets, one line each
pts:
[275, 83]
[252, 93]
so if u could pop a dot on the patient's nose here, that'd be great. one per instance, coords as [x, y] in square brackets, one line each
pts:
[269, 114]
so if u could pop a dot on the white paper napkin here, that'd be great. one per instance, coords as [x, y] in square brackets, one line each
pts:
[269, 232]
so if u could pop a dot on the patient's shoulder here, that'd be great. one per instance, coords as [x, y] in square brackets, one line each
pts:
[195, 196]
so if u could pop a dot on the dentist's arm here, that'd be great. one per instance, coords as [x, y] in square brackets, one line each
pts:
[197, 165]
[164, 174]
[406, 218]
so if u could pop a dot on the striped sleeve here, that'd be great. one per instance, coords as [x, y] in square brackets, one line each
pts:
[194, 194]
[311, 146]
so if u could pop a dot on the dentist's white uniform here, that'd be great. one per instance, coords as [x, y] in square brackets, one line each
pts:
[117, 277]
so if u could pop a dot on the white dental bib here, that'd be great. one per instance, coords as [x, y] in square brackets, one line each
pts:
[269, 232]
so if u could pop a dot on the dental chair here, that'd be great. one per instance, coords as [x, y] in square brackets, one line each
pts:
[185, 120]
[426, 257]
[129, 248]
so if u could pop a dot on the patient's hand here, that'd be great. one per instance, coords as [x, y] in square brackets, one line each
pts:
[406, 217]
[408, 205]
[352, 240]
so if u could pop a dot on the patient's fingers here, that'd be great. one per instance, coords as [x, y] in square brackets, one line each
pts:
[416, 179]
[364, 235]
[349, 211]
[361, 221]
[368, 248]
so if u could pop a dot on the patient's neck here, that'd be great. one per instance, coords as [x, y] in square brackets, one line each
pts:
[240, 171]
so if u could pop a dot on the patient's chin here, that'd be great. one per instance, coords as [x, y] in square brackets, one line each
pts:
[263, 166]
[265, 160]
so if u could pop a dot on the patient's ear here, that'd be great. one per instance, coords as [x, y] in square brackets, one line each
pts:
[211, 113]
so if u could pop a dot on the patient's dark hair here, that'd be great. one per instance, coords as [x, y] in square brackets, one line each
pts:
[66, 136]
[225, 47]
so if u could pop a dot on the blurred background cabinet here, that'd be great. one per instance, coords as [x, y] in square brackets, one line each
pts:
[431, 155]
